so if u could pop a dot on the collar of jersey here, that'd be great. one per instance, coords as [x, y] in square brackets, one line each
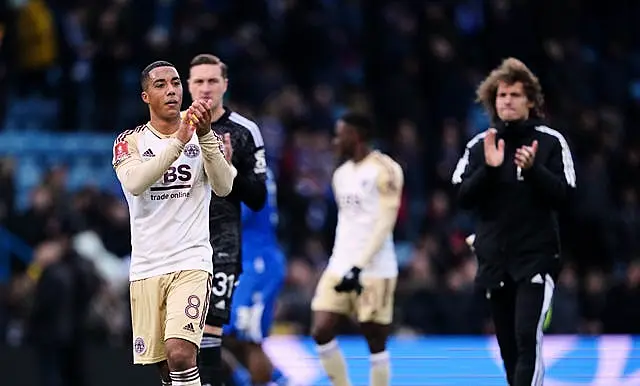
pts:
[224, 117]
[156, 132]
[516, 128]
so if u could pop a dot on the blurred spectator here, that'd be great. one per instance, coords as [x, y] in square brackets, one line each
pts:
[621, 314]
[63, 288]
[70, 69]
[566, 312]
[593, 302]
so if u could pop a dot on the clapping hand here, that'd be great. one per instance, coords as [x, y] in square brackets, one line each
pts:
[186, 129]
[526, 155]
[199, 115]
[493, 155]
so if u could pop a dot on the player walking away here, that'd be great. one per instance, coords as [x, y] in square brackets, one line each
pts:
[516, 177]
[254, 301]
[167, 174]
[362, 271]
[245, 148]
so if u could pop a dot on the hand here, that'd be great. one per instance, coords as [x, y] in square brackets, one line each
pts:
[350, 282]
[494, 156]
[526, 155]
[200, 116]
[186, 130]
[470, 240]
[228, 148]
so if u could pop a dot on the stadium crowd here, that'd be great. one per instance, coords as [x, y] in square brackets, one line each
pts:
[295, 66]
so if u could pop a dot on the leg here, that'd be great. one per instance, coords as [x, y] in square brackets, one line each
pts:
[187, 301]
[239, 373]
[375, 314]
[210, 360]
[327, 306]
[502, 302]
[258, 363]
[247, 375]
[274, 279]
[181, 360]
[254, 303]
[163, 368]
[251, 320]
[243, 329]
[532, 303]
[148, 319]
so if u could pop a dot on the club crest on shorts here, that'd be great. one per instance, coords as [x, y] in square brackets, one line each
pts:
[139, 346]
[192, 150]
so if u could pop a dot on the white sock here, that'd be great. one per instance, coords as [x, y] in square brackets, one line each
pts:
[189, 377]
[380, 372]
[333, 363]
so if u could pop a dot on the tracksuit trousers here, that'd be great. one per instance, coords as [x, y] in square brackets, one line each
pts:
[519, 310]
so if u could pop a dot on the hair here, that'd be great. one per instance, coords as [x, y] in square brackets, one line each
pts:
[209, 59]
[144, 75]
[511, 71]
[361, 122]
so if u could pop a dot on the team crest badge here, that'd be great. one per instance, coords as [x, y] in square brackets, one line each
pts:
[192, 150]
[139, 346]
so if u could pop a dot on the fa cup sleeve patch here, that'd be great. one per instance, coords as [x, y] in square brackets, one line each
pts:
[120, 152]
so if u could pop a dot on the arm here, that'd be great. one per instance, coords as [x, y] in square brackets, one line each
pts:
[134, 174]
[250, 186]
[472, 175]
[219, 172]
[390, 183]
[554, 179]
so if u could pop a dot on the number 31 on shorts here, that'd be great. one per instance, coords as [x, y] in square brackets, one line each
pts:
[223, 284]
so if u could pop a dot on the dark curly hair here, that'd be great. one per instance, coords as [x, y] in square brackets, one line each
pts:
[510, 71]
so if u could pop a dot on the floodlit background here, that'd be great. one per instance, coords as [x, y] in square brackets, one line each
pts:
[69, 83]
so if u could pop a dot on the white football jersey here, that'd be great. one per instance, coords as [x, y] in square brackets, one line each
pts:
[360, 189]
[170, 220]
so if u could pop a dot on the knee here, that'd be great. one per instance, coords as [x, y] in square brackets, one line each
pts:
[376, 336]
[181, 355]
[258, 364]
[322, 333]
[376, 343]
[526, 340]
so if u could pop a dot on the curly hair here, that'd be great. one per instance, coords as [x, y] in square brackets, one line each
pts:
[510, 71]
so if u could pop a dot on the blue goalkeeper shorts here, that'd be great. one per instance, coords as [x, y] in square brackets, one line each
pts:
[255, 297]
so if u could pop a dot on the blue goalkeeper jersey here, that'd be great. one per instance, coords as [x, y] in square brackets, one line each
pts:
[259, 237]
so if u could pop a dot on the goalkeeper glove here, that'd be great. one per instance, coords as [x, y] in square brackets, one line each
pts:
[350, 282]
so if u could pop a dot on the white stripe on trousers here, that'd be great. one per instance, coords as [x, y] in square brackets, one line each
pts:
[538, 371]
